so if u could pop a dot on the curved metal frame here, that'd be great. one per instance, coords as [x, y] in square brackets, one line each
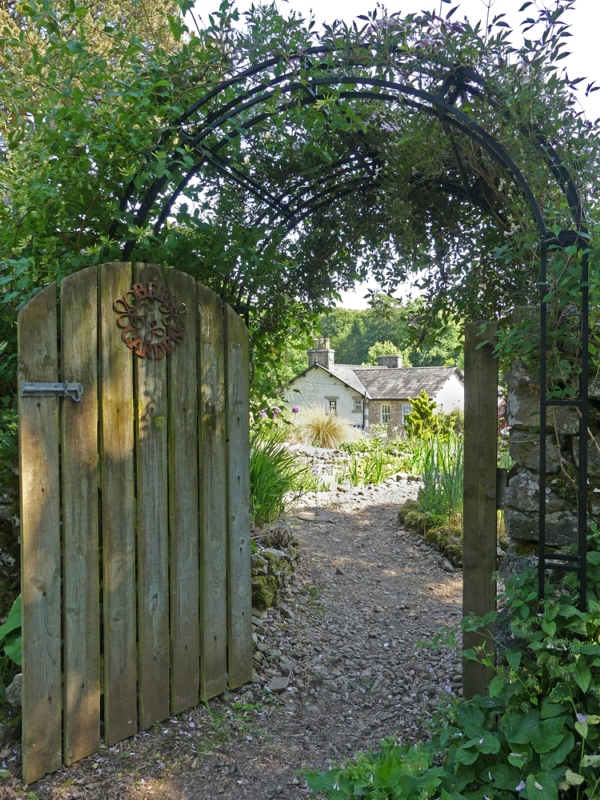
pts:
[457, 83]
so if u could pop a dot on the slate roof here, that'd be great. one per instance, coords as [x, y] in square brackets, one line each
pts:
[385, 383]
[403, 383]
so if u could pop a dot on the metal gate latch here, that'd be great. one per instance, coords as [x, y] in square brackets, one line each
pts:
[72, 390]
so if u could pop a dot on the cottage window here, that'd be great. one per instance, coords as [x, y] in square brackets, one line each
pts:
[386, 413]
[333, 406]
[358, 404]
[406, 409]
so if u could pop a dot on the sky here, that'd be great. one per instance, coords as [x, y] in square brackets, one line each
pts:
[583, 60]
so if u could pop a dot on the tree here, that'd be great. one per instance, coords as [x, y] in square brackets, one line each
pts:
[380, 349]
[286, 204]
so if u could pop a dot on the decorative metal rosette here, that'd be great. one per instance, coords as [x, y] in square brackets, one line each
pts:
[150, 319]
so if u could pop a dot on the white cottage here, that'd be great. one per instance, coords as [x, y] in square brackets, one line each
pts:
[363, 395]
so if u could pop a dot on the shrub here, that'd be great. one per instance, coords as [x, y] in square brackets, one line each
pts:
[424, 423]
[320, 429]
[274, 474]
[536, 736]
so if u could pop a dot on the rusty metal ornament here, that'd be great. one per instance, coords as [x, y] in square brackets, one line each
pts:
[150, 338]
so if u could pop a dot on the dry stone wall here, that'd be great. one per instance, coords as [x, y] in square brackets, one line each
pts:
[522, 494]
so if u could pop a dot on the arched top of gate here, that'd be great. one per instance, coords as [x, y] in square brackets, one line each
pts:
[235, 109]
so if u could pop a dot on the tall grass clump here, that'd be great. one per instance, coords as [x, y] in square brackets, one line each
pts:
[443, 478]
[319, 429]
[275, 474]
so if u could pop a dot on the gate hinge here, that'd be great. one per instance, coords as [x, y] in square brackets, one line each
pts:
[72, 390]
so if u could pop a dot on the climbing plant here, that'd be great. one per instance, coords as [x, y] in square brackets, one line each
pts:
[286, 202]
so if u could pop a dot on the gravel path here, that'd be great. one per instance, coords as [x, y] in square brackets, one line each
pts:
[346, 644]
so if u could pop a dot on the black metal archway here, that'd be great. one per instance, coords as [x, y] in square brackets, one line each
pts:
[203, 134]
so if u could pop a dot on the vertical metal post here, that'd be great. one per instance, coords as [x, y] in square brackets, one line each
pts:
[543, 417]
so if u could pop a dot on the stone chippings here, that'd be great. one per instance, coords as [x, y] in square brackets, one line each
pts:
[337, 667]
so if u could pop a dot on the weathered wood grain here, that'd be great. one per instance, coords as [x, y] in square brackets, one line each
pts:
[213, 496]
[40, 540]
[239, 589]
[183, 501]
[479, 504]
[79, 476]
[118, 511]
[152, 523]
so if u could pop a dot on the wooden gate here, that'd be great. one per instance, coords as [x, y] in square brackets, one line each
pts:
[135, 517]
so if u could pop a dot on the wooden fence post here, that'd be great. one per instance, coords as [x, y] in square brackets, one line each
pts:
[479, 504]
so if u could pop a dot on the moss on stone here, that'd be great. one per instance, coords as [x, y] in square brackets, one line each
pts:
[419, 521]
[448, 540]
[279, 563]
[407, 507]
[265, 592]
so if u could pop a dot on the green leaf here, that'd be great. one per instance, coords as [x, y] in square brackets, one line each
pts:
[501, 776]
[518, 727]
[541, 787]
[582, 675]
[573, 778]
[13, 620]
[496, 686]
[514, 658]
[548, 735]
[520, 758]
[557, 756]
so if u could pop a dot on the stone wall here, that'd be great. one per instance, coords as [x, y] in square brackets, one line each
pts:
[522, 494]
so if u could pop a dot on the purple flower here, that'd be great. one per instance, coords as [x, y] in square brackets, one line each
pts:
[520, 787]
[276, 412]
[262, 413]
[582, 718]
[295, 409]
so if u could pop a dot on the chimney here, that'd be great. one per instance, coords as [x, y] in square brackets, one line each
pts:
[392, 362]
[321, 354]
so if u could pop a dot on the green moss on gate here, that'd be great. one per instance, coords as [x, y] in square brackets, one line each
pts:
[265, 592]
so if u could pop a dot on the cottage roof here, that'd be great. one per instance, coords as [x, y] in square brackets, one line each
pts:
[385, 383]
[403, 383]
[344, 373]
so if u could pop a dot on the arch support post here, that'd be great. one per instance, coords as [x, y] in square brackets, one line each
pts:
[479, 500]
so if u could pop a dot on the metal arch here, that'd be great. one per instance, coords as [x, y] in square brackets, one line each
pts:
[458, 82]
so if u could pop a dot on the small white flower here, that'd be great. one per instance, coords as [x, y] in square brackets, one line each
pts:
[520, 787]
[538, 786]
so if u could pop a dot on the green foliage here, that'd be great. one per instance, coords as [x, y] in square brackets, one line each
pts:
[424, 423]
[397, 327]
[443, 476]
[92, 96]
[275, 475]
[10, 646]
[538, 733]
[380, 349]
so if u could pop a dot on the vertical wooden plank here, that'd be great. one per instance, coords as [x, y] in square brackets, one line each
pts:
[118, 511]
[239, 589]
[213, 496]
[152, 520]
[479, 504]
[183, 500]
[79, 475]
[40, 540]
